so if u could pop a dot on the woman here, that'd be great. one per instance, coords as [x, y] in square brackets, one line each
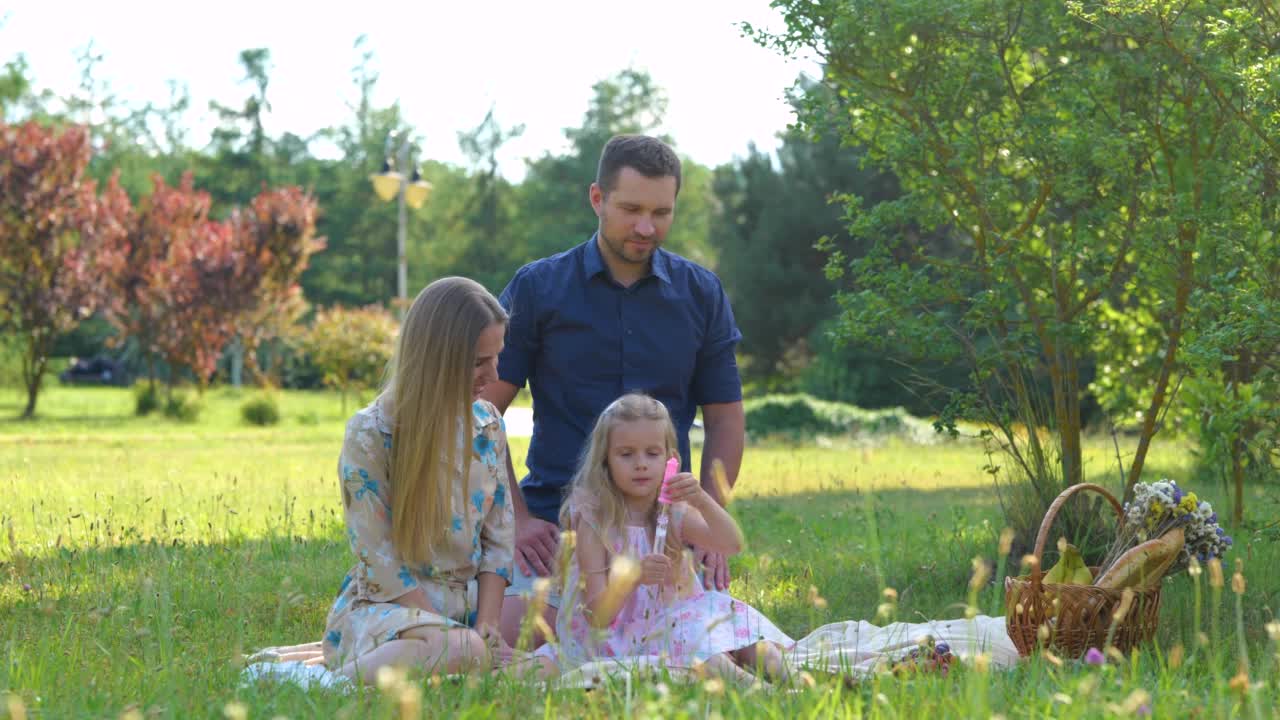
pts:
[423, 476]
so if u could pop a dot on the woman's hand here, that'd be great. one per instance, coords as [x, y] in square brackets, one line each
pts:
[500, 653]
[654, 569]
[686, 488]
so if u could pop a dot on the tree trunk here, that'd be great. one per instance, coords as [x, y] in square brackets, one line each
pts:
[1182, 294]
[1069, 420]
[237, 362]
[34, 364]
[1241, 371]
[33, 390]
[1237, 477]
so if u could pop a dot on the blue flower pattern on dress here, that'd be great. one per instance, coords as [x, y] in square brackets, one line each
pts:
[483, 447]
[334, 638]
[366, 485]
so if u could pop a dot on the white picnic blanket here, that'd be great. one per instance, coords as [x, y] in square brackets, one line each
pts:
[855, 647]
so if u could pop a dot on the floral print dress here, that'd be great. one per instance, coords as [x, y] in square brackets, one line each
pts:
[480, 539]
[679, 625]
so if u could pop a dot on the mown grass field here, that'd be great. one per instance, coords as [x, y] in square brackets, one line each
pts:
[142, 556]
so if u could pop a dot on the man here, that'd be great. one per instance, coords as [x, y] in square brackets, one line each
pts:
[614, 314]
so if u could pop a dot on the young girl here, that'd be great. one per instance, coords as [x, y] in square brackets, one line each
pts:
[665, 616]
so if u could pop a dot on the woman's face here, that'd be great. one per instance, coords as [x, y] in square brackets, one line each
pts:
[488, 347]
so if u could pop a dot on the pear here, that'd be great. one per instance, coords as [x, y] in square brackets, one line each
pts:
[1070, 569]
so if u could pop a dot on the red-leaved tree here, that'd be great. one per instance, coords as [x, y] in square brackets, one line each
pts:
[151, 287]
[208, 282]
[194, 284]
[278, 235]
[60, 242]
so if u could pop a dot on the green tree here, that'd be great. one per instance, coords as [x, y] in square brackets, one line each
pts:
[766, 233]
[1234, 356]
[14, 85]
[358, 266]
[491, 253]
[1081, 153]
[553, 203]
[238, 166]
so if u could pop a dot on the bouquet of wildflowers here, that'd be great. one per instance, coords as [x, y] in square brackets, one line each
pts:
[1161, 506]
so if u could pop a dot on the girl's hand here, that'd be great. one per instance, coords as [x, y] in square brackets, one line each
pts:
[654, 569]
[685, 488]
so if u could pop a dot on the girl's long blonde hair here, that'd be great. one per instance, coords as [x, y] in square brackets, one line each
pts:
[428, 399]
[592, 490]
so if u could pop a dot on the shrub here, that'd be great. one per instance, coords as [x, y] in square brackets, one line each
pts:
[183, 407]
[802, 417]
[146, 399]
[351, 346]
[261, 409]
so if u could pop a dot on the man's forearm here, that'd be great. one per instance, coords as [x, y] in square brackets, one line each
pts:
[724, 435]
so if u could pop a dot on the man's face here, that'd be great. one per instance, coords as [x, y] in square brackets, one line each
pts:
[636, 214]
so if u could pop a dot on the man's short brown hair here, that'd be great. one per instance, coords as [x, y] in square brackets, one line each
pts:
[647, 155]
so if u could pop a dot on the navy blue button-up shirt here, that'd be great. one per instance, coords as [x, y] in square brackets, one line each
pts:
[581, 340]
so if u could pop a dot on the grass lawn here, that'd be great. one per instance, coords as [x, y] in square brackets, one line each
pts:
[141, 556]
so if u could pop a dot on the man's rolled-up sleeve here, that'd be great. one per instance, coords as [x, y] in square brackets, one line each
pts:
[715, 376]
[516, 363]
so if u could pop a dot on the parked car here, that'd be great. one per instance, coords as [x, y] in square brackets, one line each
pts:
[97, 370]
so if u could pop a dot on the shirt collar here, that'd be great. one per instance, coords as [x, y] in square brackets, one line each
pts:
[593, 263]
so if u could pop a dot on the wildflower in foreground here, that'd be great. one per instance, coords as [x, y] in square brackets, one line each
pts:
[1095, 657]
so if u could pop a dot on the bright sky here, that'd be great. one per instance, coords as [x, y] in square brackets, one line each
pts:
[447, 61]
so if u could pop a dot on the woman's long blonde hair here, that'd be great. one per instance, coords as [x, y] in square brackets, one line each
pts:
[592, 490]
[428, 399]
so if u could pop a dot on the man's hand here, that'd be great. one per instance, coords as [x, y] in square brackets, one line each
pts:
[537, 542]
[715, 572]
[655, 569]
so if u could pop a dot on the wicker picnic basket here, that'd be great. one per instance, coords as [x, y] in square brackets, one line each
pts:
[1084, 614]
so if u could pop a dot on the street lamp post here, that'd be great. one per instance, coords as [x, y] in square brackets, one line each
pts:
[411, 191]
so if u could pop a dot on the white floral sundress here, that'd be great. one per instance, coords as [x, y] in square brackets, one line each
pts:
[481, 538]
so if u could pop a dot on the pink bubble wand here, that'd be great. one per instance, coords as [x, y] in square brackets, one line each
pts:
[660, 534]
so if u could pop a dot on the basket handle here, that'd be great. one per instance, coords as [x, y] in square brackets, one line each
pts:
[1052, 514]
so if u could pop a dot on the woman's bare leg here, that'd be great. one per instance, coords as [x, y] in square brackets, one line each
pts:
[724, 667]
[433, 649]
[764, 657]
[304, 647]
[536, 667]
[305, 652]
[515, 610]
